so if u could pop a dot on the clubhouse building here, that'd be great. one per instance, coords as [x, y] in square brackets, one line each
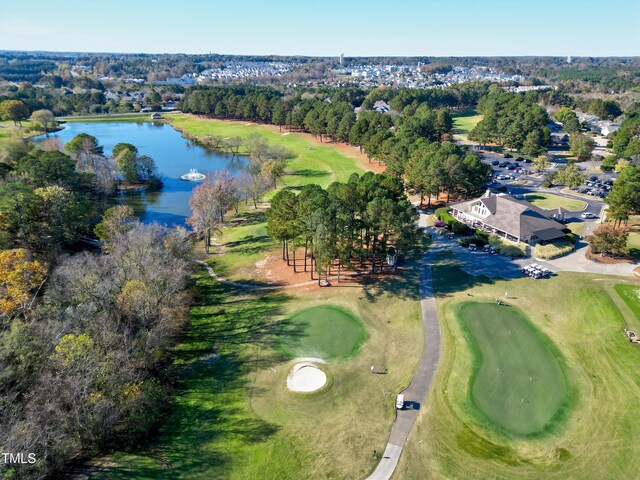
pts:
[515, 220]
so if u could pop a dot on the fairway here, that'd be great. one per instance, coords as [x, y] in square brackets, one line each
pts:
[465, 121]
[550, 201]
[631, 296]
[325, 332]
[518, 382]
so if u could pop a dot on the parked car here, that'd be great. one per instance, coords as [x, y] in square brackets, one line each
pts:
[508, 155]
[400, 401]
[593, 178]
[519, 159]
[527, 160]
[588, 215]
[495, 162]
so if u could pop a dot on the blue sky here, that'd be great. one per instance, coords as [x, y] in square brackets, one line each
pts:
[325, 27]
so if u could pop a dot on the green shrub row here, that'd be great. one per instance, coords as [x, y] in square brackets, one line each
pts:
[454, 225]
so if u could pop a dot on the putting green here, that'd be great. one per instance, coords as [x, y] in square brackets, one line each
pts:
[325, 332]
[518, 382]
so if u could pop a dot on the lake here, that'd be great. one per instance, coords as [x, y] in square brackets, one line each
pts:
[174, 156]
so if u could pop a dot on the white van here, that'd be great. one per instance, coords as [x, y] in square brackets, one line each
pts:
[400, 401]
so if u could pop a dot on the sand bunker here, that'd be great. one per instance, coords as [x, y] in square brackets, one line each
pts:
[306, 377]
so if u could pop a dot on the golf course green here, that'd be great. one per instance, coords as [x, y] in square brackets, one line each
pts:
[325, 332]
[517, 383]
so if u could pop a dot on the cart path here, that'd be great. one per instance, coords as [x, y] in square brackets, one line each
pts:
[417, 391]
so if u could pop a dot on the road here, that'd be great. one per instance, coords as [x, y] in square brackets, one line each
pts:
[417, 391]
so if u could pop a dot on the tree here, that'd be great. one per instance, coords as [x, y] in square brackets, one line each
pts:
[609, 239]
[274, 169]
[541, 162]
[281, 219]
[581, 146]
[83, 143]
[569, 120]
[534, 143]
[116, 221]
[127, 163]
[61, 216]
[20, 276]
[14, 110]
[624, 197]
[119, 147]
[252, 185]
[43, 120]
[570, 175]
[205, 212]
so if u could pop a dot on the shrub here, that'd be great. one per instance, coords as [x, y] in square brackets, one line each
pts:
[507, 248]
[483, 234]
[553, 249]
[609, 239]
[479, 241]
[573, 238]
[443, 214]
[459, 228]
[609, 163]
[454, 225]
[439, 223]
[511, 250]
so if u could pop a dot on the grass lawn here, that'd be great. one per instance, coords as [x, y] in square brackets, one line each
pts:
[633, 242]
[464, 121]
[244, 240]
[631, 296]
[518, 383]
[324, 332]
[312, 163]
[8, 130]
[232, 416]
[576, 227]
[551, 201]
[583, 317]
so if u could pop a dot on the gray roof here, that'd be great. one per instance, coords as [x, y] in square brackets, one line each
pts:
[516, 217]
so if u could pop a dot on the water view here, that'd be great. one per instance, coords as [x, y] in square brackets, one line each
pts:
[174, 156]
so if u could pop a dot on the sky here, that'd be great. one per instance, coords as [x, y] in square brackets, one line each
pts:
[326, 27]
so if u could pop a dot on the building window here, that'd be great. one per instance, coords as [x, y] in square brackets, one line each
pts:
[480, 209]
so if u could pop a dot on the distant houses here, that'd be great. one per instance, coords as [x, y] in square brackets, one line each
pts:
[512, 219]
[156, 116]
[596, 125]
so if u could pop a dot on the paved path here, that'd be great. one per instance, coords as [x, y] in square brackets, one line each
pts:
[416, 393]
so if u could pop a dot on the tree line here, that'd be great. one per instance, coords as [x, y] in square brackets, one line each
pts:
[85, 342]
[352, 223]
[84, 337]
[513, 121]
